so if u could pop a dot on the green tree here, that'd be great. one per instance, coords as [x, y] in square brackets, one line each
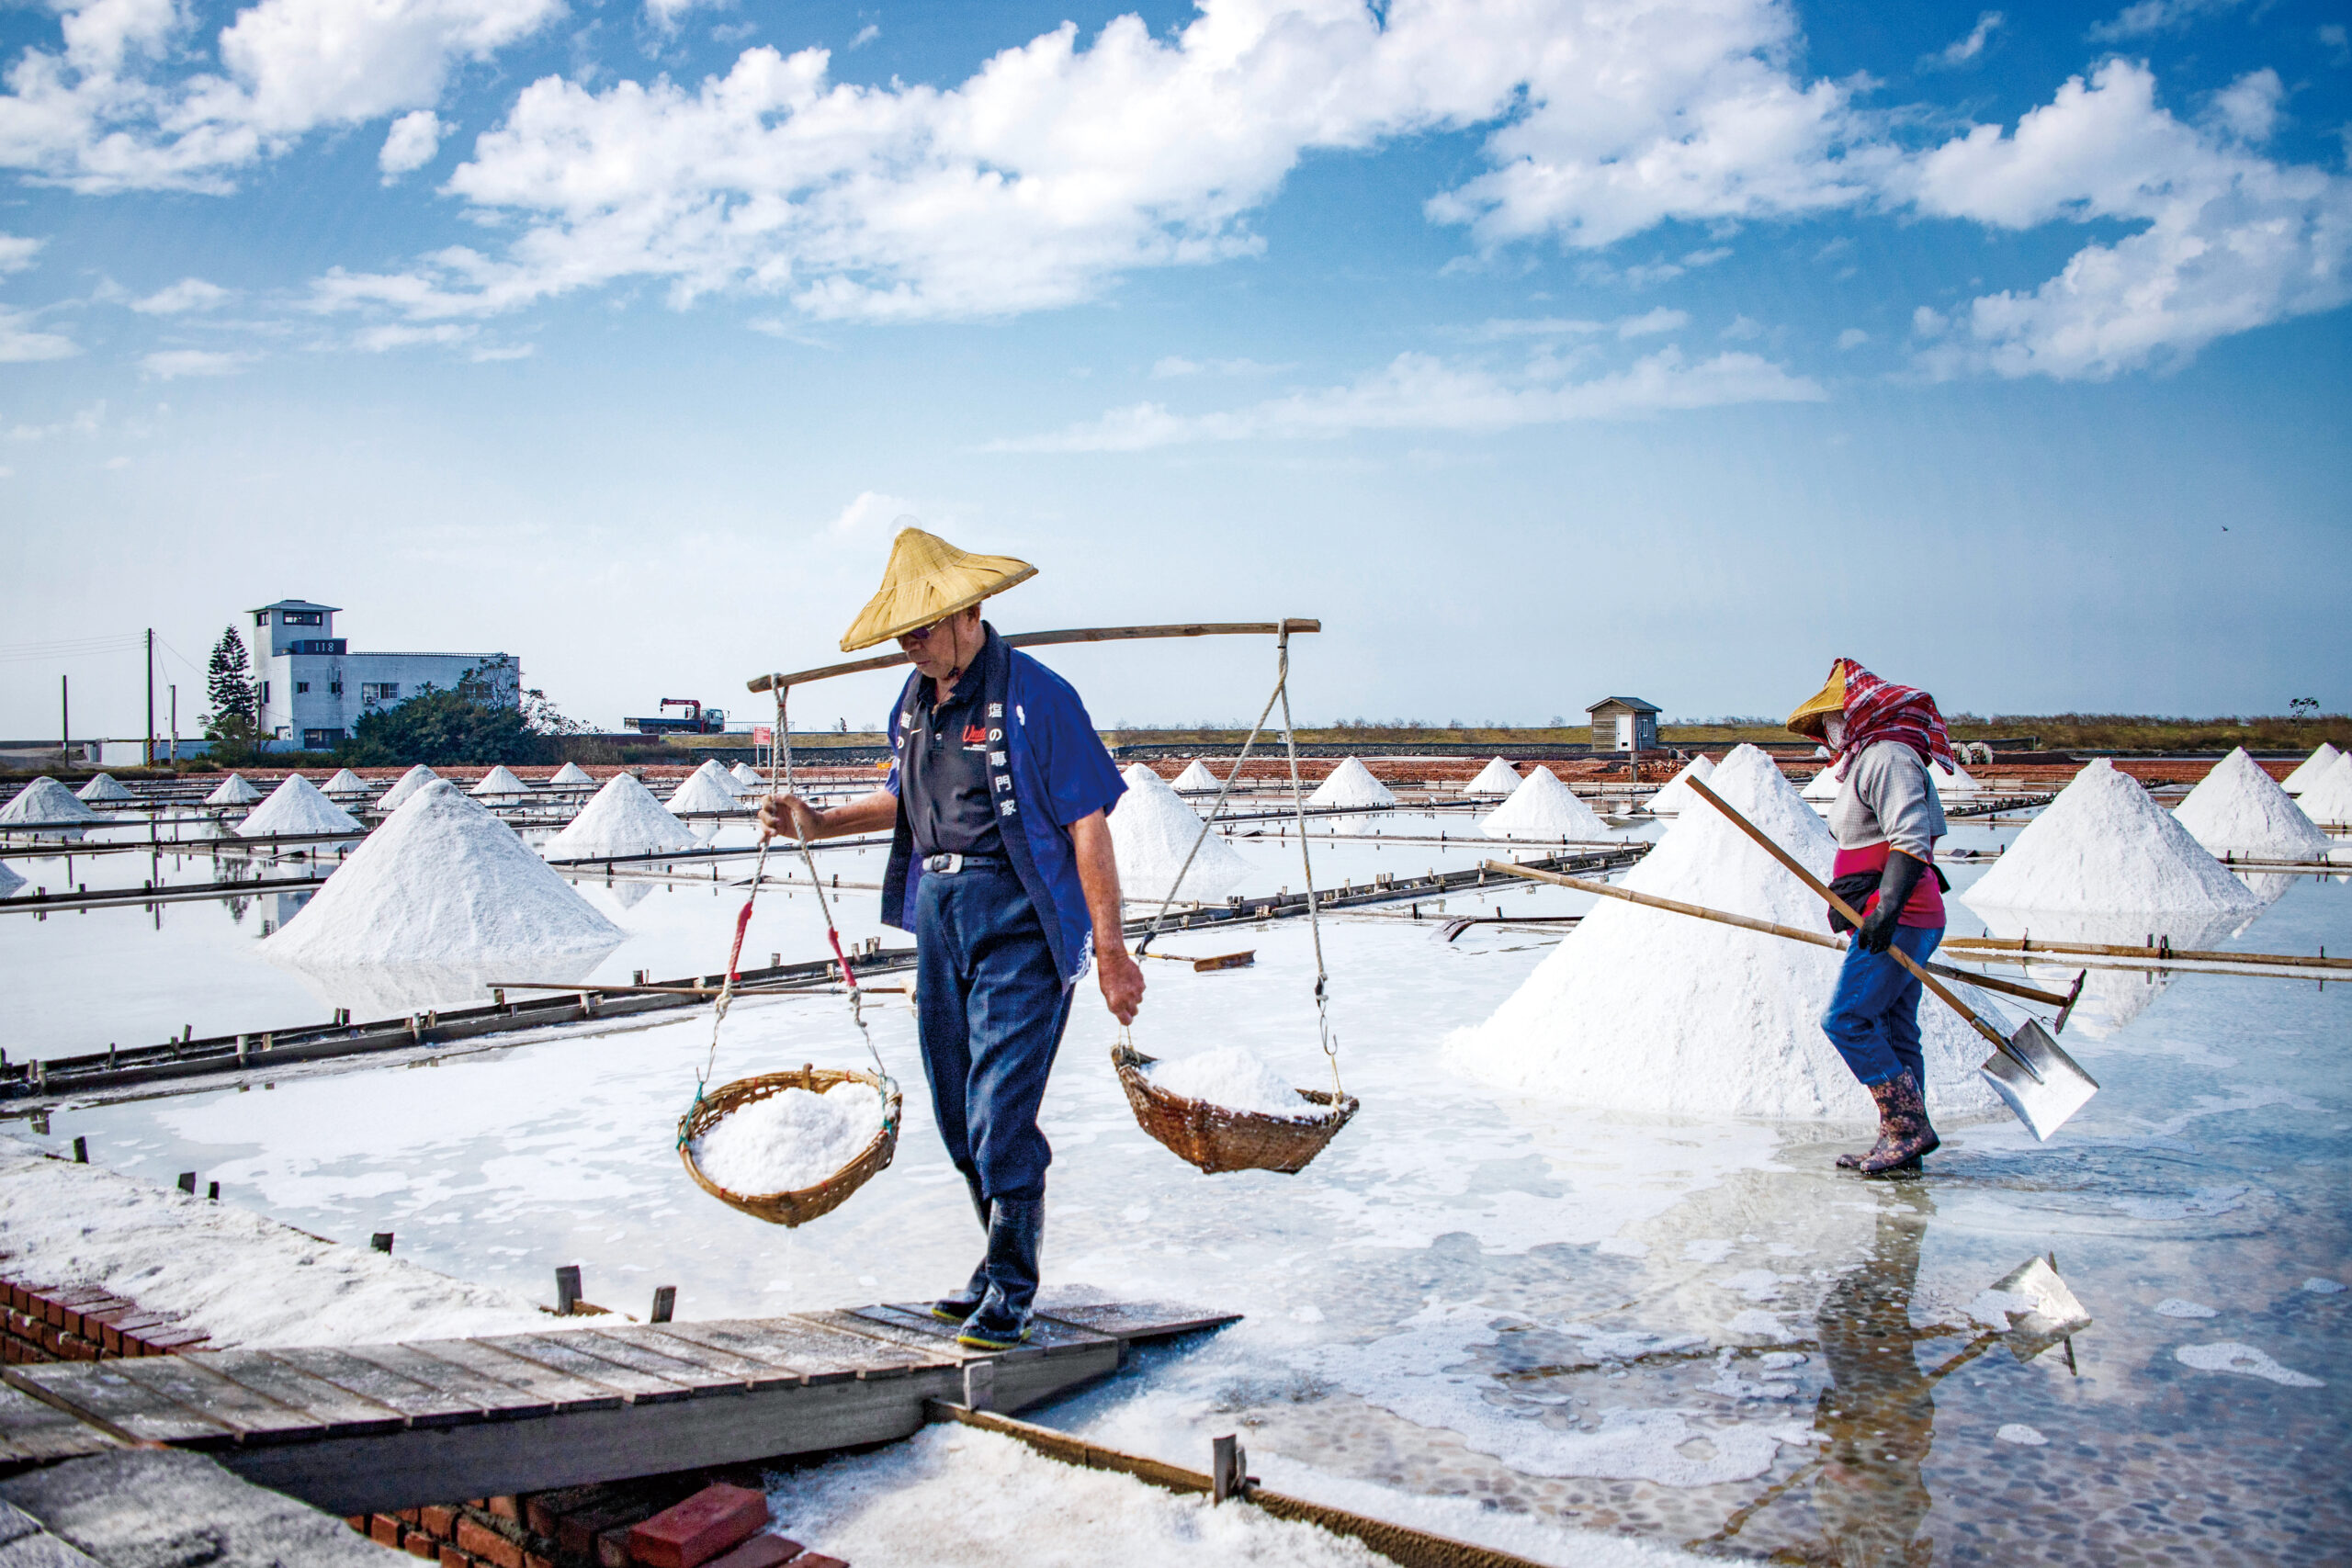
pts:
[229, 686]
[473, 723]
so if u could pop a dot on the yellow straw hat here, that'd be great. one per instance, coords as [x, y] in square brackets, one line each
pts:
[1812, 716]
[928, 580]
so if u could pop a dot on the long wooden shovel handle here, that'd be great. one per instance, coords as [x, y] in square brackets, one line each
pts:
[1047, 639]
[1853, 916]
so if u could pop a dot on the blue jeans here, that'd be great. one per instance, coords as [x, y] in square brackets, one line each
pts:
[991, 1009]
[1874, 1016]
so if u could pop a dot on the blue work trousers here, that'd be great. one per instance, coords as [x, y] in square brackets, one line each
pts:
[1873, 1016]
[991, 1007]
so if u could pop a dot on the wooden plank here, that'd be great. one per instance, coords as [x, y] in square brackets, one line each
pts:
[33, 1431]
[419, 1404]
[715, 1364]
[252, 1417]
[1141, 1320]
[1047, 1336]
[559, 1392]
[624, 1347]
[457, 1387]
[555, 1353]
[99, 1394]
[337, 1410]
[821, 1351]
[905, 1335]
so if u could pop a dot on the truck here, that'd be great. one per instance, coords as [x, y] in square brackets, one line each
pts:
[697, 719]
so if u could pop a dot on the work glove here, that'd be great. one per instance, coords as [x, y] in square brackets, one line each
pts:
[1895, 885]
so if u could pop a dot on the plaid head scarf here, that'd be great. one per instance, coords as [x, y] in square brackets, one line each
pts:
[1879, 710]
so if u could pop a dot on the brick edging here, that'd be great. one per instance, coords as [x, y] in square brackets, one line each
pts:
[81, 1322]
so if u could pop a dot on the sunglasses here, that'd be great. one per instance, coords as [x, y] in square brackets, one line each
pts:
[921, 633]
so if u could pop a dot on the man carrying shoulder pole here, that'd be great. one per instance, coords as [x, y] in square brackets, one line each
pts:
[998, 804]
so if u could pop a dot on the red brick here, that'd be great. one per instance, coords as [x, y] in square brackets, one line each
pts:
[576, 1531]
[612, 1547]
[533, 1560]
[452, 1558]
[760, 1551]
[384, 1530]
[406, 1515]
[166, 1341]
[815, 1559]
[439, 1523]
[357, 1522]
[506, 1509]
[699, 1529]
[418, 1544]
[483, 1542]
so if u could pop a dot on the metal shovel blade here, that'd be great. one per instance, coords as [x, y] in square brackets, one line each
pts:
[2041, 1082]
[2054, 1315]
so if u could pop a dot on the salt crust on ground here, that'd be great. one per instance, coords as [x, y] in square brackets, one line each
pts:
[1498, 777]
[1196, 776]
[442, 882]
[44, 802]
[1152, 830]
[2327, 799]
[1230, 1077]
[2105, 844]
[296, 806]
[1641, 1010]
[789, 1141]
[103, 786]
[1678, 795]
[1351, 784]
[233, 791]
[344, 783]
[409, 783]
[244, 1279]
[571, 776]
[2173, 1306]
[706, 791]
[2238, 809]
[2309, 769]
[2018, 1432]
[500, 783]
[622, 819]
[1544, 807]
[2229, 1357]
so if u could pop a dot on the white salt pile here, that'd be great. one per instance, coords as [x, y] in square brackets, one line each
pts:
[1823, 785]
[1498, 777]
[747, 776]
[1544, 807]
[1640, 1009]
[42, 803]
[2308, 770]
[789, 1141]
[1152, 830]
[9, 880]
[1678, 797]
[1230, 1077]
[344, 783]
[623, 819]
[443, 882]
[1954, 780]
[296, 806]
[1196, 776]
[103, 787]
[2327, 799]
[1351, 784]
[2105, 844]
[708, 788]
[499, 783]
[571, 776]
[2239, 809]
[233, 791]
[415, 779]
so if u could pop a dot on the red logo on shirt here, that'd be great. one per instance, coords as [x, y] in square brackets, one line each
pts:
[976, 738]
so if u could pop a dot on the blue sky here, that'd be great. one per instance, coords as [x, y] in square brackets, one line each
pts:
[1544, 351]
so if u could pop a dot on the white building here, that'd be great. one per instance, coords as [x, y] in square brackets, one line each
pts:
[310, 689]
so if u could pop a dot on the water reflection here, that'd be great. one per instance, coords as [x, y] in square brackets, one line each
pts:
[1877, 1417]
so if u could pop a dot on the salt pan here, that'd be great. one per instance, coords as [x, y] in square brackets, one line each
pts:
[1677, 797]
[623, 819]
[571, 776]
[708, 788]
[1152, 830]
[1351, 784]
[1641, 1010]
[1498, 777]
[1544, 807]
[233, 791]
[2238, 809]
[1196, 776]
[344, 783]
[103, 787]
[415, 779]
[296, 806]
[2103, 844]
[499, 783]
[2309, 768]
[789, 1141]
[44, 802]
[1230, 1077]
[2327, 799]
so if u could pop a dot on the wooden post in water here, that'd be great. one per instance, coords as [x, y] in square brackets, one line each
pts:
[566, 1288]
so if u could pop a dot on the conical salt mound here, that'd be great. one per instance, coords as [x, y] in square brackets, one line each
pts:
[344, 783]
[103, 787]
[1498, 777]
[1351, 784]
[705, 790]
[233, 791]
[44, 802]
[2327, 799]
[1640, 1009]
[2308, 770]
[1196, 777]
[1822, 787]
[571, 776]
[749, 777]
[442, 883]
[1544, 807]
[296, 806]
[499, 783]
[1954, 780]
[1677, 797]
[1152, 830]
[2105, 844]
[623, 819]
[9, 880]
[2239, 809]
[725, 778]
[415, 779]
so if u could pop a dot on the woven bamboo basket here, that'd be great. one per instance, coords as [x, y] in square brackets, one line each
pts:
[1217, 1138]
[789, 1209]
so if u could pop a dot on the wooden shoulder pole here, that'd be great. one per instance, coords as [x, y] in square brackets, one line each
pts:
[1044, 639]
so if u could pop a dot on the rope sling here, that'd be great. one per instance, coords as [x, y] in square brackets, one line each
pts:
[1216, 1137]
[806, 1203]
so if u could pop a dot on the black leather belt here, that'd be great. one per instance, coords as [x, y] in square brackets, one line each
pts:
[957, 863]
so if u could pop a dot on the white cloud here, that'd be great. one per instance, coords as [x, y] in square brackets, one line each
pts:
[866, 35]
[172, 364]
[391, 336]
[1503, 328]
[1963, 50]
[665, 14]
[21, 342]
[1176, 365]
[16, 252]
[1418, 391]
[2248, 107]
[1853, 337]
[1742, 330]
[871, 510]
[2152, 16]
[1658, 321]
[188, 294]
[411, 144]
[84, 422]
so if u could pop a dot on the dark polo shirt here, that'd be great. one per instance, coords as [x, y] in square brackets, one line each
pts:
[949, 805]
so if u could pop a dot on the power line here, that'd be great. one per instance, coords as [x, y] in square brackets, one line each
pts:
[82, 648]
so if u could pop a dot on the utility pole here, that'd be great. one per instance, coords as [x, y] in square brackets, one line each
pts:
[176, 725]
[64, 715]
[151, 698]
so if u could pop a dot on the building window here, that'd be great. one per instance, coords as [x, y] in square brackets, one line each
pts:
[300, 686]
[335, 688]
[302, 618]
[261, 619]
[373, 691]
[320, 739]
[265, 694]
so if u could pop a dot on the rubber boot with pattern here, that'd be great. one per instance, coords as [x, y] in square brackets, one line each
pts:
[1016, 1230]
[1904, 1135]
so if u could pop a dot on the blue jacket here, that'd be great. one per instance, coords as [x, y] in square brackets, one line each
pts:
[1047, 769]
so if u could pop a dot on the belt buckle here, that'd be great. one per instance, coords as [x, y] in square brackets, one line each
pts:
[951, 863]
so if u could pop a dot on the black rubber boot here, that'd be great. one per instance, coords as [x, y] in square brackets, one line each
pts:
[957, 1305]
[1904, 1135]
[1016, 1230]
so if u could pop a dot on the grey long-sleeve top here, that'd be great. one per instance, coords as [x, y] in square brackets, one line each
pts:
[1887, 797]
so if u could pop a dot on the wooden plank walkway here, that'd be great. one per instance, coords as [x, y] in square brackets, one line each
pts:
[374, 1429]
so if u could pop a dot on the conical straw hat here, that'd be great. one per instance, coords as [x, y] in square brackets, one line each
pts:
[1812, 716]
[928, 580]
